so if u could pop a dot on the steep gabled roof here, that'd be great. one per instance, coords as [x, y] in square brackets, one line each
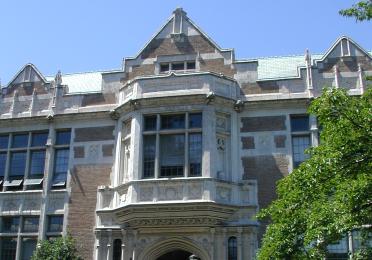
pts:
[32, 71]
[171, 19]
[338, 44]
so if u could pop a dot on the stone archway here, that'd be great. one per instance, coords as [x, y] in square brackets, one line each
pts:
[175, 255]
[176, 245]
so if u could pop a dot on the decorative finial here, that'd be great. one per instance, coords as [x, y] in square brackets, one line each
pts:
[58, 78]
[307, 56]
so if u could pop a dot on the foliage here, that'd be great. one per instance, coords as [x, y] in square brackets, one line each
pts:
[330, 193]
[361, 11]
[59, 249]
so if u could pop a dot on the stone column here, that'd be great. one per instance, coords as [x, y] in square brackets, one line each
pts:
[134, 255]
[109, 245]
[98, 242]
[240, 244]
[212, 236]
[123, 243]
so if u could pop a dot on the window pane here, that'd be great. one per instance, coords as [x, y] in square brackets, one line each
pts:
[8, 248]
[37, 162]
[61, 164]
[164, 67]
[2, 164]
[232, 249]
[63, 137]
[28, 247]
[10, 224]
[191, 65]
[178, 66]
[150, 123]
[30, 224]
[172, 121]
[4, 139]
[55, 223]
[195, 154]
[195, 120]
[20, 141]
[149, 149]
[39, 139]
[299, 123]
[299, 145]
[172, 151]
[17, 164]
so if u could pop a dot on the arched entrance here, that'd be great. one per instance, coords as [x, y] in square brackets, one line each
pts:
[175, 255]
[175, 248]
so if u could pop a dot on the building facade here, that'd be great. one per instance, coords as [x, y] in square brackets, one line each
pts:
[168, 157]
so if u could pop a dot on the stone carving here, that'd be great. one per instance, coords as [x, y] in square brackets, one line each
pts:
[146, 194]
[195, 191]
[221, 146]
[224, 194]
[93, 152]
[173, 222]
[170, 193]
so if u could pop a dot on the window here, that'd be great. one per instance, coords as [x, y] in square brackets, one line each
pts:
[30, 224]
[10, 225]
[117, 249]
[4, 141]
[300, 138]
[28, 248]
[179, 65]
[167, 139]
[232, 249]
[8, 247]
[55, 223]
[61, 158]
[25, 157]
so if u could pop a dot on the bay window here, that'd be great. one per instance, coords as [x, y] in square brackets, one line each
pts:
[172, 145]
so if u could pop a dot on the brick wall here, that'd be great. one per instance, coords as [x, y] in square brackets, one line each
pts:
[267, 170]
[167, 46]
[264, 123]
[260, 87]
[89, 134]
[217, 66]
[82, 205]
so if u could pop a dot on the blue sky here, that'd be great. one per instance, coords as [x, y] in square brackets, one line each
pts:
[89, 35]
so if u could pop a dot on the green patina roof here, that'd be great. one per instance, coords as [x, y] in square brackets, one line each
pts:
[281, 67]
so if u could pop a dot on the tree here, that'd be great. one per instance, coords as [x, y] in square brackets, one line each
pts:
[361, 11]
[59, 249]
[330, 194]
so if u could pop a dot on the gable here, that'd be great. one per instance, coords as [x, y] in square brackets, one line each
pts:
[347, 55]
[26, 81]
[179, 35]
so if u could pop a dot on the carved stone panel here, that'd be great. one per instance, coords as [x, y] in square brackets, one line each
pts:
[146, 194]
[170, 193]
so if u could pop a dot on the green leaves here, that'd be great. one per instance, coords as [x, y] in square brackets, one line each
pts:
[361, 11]
[59, 249]
[331, 193]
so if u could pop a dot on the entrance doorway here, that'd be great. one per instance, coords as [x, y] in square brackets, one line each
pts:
[175, 255]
